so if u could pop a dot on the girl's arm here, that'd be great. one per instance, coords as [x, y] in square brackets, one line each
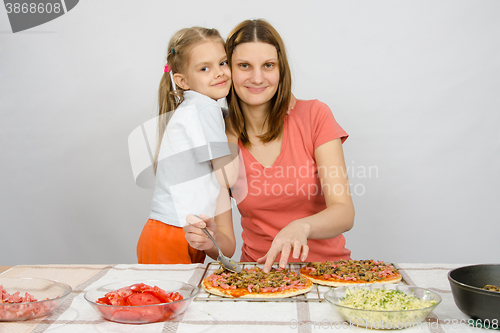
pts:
[337, 218]
[226, 167]
[221, 228]
[230, 163]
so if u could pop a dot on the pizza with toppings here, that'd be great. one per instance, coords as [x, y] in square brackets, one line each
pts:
[349, 272]
[254, 283]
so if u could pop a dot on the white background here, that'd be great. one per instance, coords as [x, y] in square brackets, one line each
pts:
[414, 83]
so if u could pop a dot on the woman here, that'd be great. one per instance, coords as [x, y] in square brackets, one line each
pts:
[293, 192]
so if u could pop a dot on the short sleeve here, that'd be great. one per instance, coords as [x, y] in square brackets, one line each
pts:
[325, 127]
[213, 134]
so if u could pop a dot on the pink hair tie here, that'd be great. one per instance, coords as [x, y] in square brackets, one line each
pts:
[167, 69]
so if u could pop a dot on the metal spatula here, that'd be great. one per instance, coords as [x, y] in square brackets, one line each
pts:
[226, 262]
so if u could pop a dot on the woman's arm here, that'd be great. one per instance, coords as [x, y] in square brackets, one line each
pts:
[221, 228]
[337, 218]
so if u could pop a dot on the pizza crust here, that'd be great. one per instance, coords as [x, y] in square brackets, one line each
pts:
[323, 282]
[207, 286]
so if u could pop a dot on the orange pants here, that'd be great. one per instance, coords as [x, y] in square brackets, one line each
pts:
[162, 243]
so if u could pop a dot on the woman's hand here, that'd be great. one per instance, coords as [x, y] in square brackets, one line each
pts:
[291, 239]
[195, 236]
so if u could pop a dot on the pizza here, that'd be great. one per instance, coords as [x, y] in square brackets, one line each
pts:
[349, 272]
[254, 283]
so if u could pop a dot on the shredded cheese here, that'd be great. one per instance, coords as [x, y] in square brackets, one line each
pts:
[383, 300]
[379, 308]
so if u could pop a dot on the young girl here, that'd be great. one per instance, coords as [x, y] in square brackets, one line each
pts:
[191, 145]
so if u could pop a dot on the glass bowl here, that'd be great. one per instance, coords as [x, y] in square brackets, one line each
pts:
[379, 319]
[50, 295]
[143, 314]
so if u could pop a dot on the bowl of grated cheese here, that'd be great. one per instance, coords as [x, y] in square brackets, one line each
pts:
[383, 306]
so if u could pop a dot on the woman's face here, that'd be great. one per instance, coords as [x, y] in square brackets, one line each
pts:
[255, 73]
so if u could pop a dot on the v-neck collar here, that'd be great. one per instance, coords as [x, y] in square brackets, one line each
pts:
[284, 145]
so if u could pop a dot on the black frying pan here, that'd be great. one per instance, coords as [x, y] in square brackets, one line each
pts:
[466, 283]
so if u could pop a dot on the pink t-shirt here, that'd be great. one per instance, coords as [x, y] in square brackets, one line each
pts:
[270, 198]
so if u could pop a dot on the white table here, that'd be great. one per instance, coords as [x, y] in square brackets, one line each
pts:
[76, 315]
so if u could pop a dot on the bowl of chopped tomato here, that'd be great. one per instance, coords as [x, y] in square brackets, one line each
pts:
[28, 298]
[150, 301]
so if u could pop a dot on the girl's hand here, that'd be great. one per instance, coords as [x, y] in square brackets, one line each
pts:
[195, 236]
[291, 239]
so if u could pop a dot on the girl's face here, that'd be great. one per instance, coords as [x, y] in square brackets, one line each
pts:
[255, 71]
[207, 71]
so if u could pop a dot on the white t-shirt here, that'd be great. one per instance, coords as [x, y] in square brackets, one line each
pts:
[185, 179]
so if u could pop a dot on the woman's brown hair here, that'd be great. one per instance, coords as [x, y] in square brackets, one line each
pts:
[169, 95]
[252, 31]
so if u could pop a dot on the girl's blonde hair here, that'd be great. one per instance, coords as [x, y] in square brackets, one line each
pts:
[170, 96]
[251, 31]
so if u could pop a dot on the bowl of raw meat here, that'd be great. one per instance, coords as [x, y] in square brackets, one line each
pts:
[28, 298]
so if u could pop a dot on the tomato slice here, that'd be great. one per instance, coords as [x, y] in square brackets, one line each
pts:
[142, 299]
[106, 311]
[125, 316]
[103, 300]
[151, 314]
[138, 287]
[177, 297]
[124, 292]
[119, 297]
[115, 298]
[168, 314]
[174, 296]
